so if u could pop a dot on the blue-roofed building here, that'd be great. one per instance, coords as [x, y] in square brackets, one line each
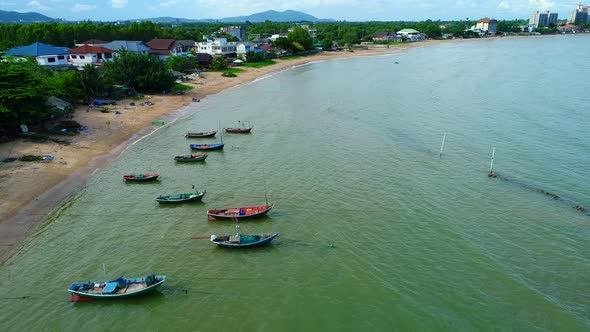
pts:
[45, 54]
[131, 46]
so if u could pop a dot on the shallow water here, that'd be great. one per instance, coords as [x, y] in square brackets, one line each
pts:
[377, 231]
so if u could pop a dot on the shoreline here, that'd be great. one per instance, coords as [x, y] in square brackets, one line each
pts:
[38, 189]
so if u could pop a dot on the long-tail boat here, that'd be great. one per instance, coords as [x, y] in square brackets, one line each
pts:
[141, 177]
[239, 213]
[243, 241]
[180, 198]
[191, 158]
[242, 128]
[201, 134]
[214, 146]
[118, 288]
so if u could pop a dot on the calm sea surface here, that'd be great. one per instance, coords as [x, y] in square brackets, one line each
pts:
[378, 233]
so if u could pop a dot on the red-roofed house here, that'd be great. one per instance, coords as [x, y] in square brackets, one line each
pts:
[568, 28]
[84, 55]
[163, 48]
[92, 42]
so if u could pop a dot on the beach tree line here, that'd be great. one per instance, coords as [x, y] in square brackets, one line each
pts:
[25, 86]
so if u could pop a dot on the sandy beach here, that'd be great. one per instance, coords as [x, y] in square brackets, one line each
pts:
[31, 190]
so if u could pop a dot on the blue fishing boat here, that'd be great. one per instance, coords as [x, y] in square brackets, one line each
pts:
[243, 241]
[119, 288]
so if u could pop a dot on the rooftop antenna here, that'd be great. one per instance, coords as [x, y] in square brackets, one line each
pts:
[442, 145]
[491, 173]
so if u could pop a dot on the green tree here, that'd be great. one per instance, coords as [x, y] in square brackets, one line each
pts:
[181, 63]
[433, 30]
[252, 56]
[23, 94]
[301, 36]
[283, 43]
[91, 82]
[218, 63]
[142, 72]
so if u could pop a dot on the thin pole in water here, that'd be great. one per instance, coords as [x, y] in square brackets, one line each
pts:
[442, 145]
[491, 172]
[104, 271]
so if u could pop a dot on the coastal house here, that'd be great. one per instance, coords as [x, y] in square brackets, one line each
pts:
[568, 28]
[45, 54]
[247, 46]
[87, 54]
[216, 46]
[130, 46]
[278, 35]
[387, 36]
[487, 25]
[185, 46]
[204, 59]
[164, 48]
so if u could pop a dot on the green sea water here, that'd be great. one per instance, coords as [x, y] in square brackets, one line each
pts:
[378, 232]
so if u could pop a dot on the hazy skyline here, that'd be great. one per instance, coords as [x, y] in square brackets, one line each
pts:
[350, 10]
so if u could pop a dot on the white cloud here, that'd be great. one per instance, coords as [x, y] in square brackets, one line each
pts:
[119, 3]
[541, 4]
[167, 3]
[504, 5]
[36, 5]
[81, 7]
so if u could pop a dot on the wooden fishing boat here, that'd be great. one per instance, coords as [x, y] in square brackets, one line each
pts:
[201, 134]
[214, 146]
[239, 130]
[118, 288]
[141, 177]
[243, 241]
[239, 213]
[191, 158]
[180, 198]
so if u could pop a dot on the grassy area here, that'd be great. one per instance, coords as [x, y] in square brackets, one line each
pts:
[232, 70]
[181, 87]
[260, 64]
[290, 57]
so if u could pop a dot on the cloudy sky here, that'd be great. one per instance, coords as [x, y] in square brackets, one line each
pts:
[351, 10]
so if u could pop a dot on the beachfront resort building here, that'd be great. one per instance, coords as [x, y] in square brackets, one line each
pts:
[387, 36]
[580, 16]
[411, 35]
[489, 26]
[543, 19]
[236, 31]
[216, 46]
[87, 55]
[45, 54]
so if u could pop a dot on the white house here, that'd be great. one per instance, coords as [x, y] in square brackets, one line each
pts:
[411, 35]
[45, 54]
[216, 46]
[86, 54]
[247, 46]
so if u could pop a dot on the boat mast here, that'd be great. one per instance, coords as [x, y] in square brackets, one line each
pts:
[442, 145]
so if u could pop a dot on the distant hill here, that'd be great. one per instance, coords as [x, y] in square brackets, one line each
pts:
[272, 15]
[16, 17]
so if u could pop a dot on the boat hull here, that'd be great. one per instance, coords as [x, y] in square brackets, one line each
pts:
[207, 147]
[145, 178]
[267, 238]
[201, 134]
[182, 198]
[118, 295]
[238, 130]
[236, 213]
[184, 159]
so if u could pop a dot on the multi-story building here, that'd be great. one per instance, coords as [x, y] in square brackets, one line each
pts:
[543, 19]
[236, 31]
[487, 25]
[216, 46]
[580, 16]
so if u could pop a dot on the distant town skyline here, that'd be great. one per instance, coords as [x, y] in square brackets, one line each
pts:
[350, 10]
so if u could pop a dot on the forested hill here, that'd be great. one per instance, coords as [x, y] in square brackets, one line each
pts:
[16, 17]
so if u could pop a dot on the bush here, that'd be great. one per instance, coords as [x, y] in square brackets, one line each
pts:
[228, 74]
